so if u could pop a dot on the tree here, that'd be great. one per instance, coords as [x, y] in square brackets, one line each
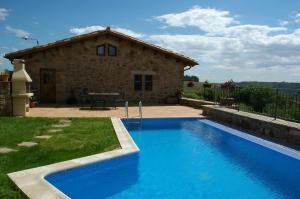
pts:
[191, 78]
[256, 96]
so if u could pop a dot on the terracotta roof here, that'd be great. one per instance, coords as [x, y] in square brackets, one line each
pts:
[20, 53]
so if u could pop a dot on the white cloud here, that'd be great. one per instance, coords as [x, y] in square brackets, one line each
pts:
[242, 52]
[17, 32]
[206, 19]
[129, 32]
[3, 14]
[88, 29]
[283, 23]
[297, 18]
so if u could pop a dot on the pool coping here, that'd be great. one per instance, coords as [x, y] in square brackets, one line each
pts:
[285, 150]
[32, 181]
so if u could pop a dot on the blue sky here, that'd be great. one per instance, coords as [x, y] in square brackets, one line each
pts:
[232, 39]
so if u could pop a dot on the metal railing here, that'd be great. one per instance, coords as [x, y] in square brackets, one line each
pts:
[276, 103]
[140, 111]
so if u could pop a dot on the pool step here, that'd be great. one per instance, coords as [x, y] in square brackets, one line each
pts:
[135, 123]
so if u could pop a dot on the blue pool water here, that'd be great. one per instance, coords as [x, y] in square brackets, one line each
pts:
[186, 158]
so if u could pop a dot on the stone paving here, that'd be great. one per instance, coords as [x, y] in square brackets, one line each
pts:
[43, 136]
[62, 125]
[27, 144]
[148, 112]
[65, 121]
[54, 130]
[4, 150]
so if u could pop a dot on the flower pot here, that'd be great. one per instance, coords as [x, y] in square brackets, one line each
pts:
[4, 77]
[33, 104]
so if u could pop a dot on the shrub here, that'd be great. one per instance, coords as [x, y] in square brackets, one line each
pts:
[208, 94]
[256, 96]
[191, 78]
[228, 84]
[190, 84]
[206, 84]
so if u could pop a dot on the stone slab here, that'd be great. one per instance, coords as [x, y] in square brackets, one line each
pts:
[27, 144]
[4, 150]
[43, 136]
[54, 130]
[65, 121]
[61, 125]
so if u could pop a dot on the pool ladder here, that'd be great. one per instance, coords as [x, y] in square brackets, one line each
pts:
[138, 122]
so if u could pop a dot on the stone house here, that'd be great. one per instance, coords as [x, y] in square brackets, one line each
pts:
[103, 61]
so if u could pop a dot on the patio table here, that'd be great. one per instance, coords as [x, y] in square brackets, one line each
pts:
[97, 98]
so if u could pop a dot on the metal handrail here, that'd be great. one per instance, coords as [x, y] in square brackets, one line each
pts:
[126, 109]
[140, 110]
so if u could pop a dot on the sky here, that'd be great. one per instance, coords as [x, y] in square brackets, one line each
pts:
[257, 40]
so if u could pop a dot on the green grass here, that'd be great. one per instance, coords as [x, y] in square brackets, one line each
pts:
[85, 136]
[193, 92]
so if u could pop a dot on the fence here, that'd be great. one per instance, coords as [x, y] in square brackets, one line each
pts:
[277, 103]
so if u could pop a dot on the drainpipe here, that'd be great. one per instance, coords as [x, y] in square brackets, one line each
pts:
[189, 67]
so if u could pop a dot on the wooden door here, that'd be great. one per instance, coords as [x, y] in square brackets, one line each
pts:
[48, 86]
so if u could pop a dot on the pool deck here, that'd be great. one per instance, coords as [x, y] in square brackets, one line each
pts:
[148, 111]
[32, 183]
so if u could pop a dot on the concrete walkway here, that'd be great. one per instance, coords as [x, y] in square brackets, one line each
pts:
[148, 111]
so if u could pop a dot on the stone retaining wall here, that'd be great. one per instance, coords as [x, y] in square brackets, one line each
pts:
[194, 103]
[279, 130]
[5, 98]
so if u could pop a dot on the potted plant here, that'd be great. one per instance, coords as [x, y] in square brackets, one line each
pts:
[190, 84]
[33, 102]
[206, 84]
[228, 84]
[4, 76]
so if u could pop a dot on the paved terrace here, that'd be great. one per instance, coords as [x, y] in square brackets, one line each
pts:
[148, 111]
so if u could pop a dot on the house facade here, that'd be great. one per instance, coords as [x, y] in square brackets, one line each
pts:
[103, 61]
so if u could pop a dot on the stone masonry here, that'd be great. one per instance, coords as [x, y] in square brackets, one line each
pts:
[78, 67]
[5, 98]
[279, 130]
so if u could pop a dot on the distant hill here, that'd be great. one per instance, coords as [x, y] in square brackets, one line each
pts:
[291, 88]
[279, 85]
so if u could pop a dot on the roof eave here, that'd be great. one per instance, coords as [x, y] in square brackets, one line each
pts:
[20, 53]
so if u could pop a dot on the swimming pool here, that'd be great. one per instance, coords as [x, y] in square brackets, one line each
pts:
[188, 158]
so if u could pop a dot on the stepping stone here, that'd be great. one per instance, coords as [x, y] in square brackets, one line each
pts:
[61, 125]
[54, 130]
[4, 150]
[43, 136]
[27, 144]
[64, 121]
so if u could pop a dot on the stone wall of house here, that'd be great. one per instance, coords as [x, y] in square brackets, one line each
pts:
[78, 67]
[278, 130]
[5, 98]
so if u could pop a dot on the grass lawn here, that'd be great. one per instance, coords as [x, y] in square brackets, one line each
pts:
[194, 92]
[85, 136]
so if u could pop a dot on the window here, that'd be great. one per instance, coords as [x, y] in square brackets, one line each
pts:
[138, 82]
[112, 50]
[148, 82]
[101, 50]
